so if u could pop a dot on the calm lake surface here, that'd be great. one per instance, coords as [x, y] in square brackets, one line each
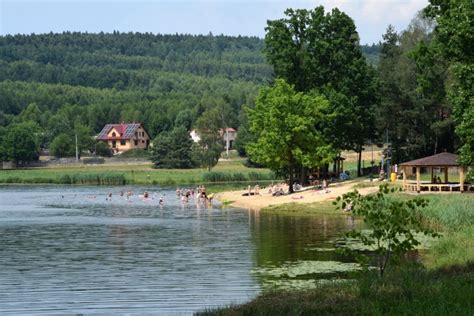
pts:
[70, 250]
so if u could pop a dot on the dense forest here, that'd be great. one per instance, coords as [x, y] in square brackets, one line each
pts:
[61, 81]
[61, 84]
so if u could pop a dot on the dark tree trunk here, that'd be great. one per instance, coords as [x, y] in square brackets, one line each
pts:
[291, 180]
[359, 173]
[302, 175]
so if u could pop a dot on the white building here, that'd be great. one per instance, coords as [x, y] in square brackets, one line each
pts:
[228, 135]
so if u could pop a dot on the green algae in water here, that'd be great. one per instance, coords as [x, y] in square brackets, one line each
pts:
[296, 284]
[354, 244]
[305, 267]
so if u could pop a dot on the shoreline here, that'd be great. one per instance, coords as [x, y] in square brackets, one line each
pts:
[265, 199]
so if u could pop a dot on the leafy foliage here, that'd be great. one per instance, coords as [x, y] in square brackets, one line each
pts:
[20, 142]
[162, 81]
[314, 50]
[392, 223]
[62, 146]
[172, 149]
[455, 39]
[210, 127]
[285, 123]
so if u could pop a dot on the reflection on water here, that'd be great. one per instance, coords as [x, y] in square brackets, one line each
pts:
[74, 250]
[297, 252]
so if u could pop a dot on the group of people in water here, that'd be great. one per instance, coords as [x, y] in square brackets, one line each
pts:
[184, 194]
[199, 192]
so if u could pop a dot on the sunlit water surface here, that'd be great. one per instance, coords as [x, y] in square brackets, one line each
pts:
[73, 250]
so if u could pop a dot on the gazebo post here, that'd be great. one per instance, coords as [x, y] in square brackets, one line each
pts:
[461, 178]
[418, 179]
[446, 174]
[404, 177]
[431, 171]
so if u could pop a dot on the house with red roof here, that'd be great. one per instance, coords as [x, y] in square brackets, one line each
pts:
[124, 136]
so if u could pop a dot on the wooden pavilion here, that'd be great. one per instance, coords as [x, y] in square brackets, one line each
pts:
[442, 161]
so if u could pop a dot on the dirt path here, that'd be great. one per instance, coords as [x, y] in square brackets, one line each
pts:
[265, 199]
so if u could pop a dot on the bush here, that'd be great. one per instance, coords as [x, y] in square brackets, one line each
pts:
[62, 146]
[103, 149]
[392, 223]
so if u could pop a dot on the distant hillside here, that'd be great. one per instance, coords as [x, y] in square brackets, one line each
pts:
[59, 80]
[372, 53]
[102, 78]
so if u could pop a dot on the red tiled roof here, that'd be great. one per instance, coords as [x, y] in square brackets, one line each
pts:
[438, 160]
[124, 131]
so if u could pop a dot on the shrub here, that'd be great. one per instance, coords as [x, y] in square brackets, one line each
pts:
[392, 223]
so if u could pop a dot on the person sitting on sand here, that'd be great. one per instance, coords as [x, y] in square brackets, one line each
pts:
[279, 192]
[381, 174]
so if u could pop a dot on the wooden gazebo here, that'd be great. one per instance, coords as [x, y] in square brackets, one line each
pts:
[442, 161]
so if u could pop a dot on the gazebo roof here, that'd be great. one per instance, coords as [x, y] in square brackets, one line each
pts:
[439, 160]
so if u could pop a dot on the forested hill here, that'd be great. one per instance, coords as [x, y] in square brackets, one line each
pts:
[102, 78]
[60, 80]
[128, 60]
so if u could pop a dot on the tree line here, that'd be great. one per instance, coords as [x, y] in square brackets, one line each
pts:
[414, 87]
[328, 98]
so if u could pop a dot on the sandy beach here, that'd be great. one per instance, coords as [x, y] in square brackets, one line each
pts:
[265, 199]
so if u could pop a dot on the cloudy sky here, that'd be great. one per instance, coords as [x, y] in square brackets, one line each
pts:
[230, 17]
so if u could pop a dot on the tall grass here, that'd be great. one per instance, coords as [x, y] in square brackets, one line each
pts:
[410, 290]
[216, 176]
[104, 178]
[454, 215]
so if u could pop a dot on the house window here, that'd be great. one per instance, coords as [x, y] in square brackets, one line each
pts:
[136, 142]
[113, 134]
[123, 142]
[143, 141]
[114, 144]
[143, 134]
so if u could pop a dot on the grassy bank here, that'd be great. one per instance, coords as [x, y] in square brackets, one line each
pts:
[442, 284]
[411, 290]
[225, 171]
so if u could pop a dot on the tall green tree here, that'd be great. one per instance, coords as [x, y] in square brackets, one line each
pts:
[62, 146]
[20, 142]
[411, 87]
[455, 35]
[287, 125]
[314, 50]
[209, 127]
[173, 149]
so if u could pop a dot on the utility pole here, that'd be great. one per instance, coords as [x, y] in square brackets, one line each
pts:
[389, 155]
[227, 142]
[77, 151]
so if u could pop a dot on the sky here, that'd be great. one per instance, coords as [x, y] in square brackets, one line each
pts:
[229, 17]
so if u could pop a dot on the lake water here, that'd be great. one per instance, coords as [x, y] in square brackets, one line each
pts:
[72, 250]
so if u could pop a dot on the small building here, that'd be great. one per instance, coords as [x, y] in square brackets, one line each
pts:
[124, 136]
[436, 165]
[229, 135]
